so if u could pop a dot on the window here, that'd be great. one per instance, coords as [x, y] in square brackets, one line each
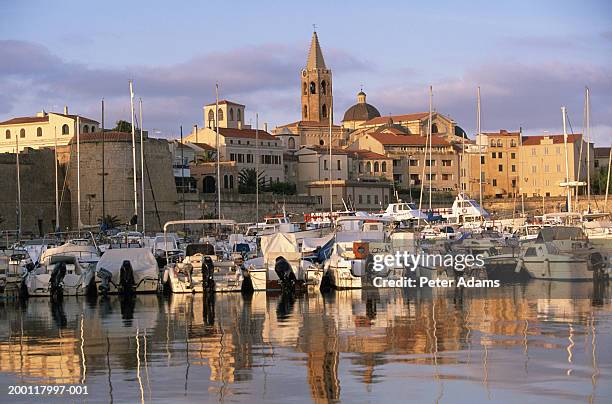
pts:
[321, 142]
[65, 129]
[323, 87]
[513, 168]
[493, 155]
[500, 168]
[22, 133]
[325, 165]
[211, 116]
[376, 166]
[231, 182]
[238, 114]
[383, 167]
[414, 163]
[513, 183]
[533, 152]
[494, 182]
[546, 151]
[500, 155]
[232, 157]
[360, 198]
[434, 128]
[447, 177]
[220, 114]
[305, 113]
[313, 87]
[492, 142]
[513, 156]
[324, 111]
[546, 168]
[338, 166]
[376, 199]
[430, 163]
[533, 169]
[482, 160]
[513, 143]
[85, 129]
[368, 199]
[231, 114]
[499, 143]
[39, 132]
[7, 134]
[304, 88]
[446, 163]
[368, 167]
[249, 158]
[431, 177]
[558, 150]
[291, 143]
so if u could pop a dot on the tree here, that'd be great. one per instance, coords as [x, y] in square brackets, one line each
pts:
[598, 181]
[123, 126]
[247, 181]
[109, 222]
[282, 188]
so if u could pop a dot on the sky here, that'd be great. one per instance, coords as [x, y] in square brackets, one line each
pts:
[529, 58]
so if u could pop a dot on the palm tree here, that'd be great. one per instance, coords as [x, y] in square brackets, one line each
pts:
[109, 222]
[247, 181]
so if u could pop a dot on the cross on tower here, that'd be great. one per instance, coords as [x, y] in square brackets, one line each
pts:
[314, 27]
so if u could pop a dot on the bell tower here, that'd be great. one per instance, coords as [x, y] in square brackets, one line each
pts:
[316, 85]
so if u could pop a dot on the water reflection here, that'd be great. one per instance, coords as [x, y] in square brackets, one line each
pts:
[540, 341]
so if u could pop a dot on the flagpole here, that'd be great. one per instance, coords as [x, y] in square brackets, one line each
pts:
[567, 179]
[78, 139]
[57, 223]
[331, 191]
[18, 186]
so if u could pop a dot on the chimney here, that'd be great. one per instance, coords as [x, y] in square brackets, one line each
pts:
[65, 109]
[265, 126]
[195, 130]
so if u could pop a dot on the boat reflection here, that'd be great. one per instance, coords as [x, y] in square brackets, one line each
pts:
[340, 345]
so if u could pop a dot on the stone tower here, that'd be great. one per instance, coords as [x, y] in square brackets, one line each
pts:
[316, 85]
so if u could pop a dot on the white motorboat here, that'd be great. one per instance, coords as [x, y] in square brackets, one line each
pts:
[81, 249]
[545, 261]
[61, 275]
[403, 212]
[127, 270]
[215, 265]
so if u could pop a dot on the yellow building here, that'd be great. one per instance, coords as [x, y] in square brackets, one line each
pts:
[42, 130]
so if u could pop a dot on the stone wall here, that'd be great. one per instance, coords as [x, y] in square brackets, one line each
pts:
[241, 207]
[37, 173]
[160, 189]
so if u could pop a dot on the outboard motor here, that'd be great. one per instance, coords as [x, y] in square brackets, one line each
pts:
[208, 268]
[105, 280]
[285, 274]
[56, 283]
[127, 284]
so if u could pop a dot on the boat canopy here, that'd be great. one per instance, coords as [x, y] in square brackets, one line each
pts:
[199, 248]
[142, 260]
[553, 233]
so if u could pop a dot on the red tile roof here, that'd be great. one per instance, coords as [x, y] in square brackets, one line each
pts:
[557, 139]
[369, 155]
[25, 119]
[502, 132]
[407, 140]
[397, 118]
[245, 133]
[325, 150]
[221, 102]
[204, 146]
[309, 123]
[83, 119]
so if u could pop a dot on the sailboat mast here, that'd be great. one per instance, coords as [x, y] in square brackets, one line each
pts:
[521, 171]
[134, 155]
[78, 140]
[103, 166]
[18, 186]
[57, 223]
[257, 172]
[430, 143]
[608, 181]
[567, 178]
[588, 133]
[218, 150]
[479, 147]
[142, 182]
[331, 192]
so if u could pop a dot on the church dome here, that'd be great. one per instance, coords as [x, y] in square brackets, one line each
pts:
[362, 111]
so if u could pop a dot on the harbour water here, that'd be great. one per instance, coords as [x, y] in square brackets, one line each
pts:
[540, 341]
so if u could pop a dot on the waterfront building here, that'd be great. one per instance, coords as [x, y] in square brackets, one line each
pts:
[42, 130]
[407, 154]
[601, 157]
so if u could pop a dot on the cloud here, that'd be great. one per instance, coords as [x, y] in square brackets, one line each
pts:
[173, 94]
[513, 95]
